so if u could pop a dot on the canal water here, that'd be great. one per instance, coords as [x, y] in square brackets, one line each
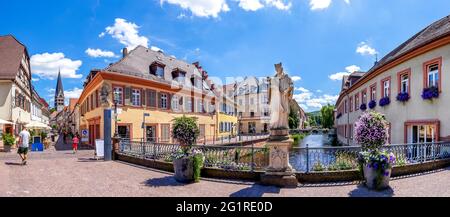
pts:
[298, 156]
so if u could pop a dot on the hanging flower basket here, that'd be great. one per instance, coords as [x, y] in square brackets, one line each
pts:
[403, 97]
[372, 104]
[430, 93]
[385, 101]
[363, 107]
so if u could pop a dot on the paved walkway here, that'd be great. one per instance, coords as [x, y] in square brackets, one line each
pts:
[60, 173]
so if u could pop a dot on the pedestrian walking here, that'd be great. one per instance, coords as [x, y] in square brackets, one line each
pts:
[75, 142]
[24, 140]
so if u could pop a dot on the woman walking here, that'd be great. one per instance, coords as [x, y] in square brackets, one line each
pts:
[75, 142]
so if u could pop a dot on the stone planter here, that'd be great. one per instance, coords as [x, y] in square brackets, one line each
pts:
[370, 175]
[184, 169]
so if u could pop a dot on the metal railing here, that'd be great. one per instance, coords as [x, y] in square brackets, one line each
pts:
[208, 140]
[224, 157]
[309, 159]
[304, 159]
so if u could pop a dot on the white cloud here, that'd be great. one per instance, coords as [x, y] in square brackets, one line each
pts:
[201, 8]
[364, 49]
[35, 79]
[302, 89]
[296, 78]
[279, 4]
[319, 4]
[349, 69]
[352, 68]
[154, 48]
[47, 65]
[319, 91]
[127, 33]
[74, 93]
[250, 5]
[99, 53]
[338, 76]
[322, 4]
[181, 16]
[308, 100]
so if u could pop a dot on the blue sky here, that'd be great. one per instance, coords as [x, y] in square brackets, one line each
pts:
[318, 41]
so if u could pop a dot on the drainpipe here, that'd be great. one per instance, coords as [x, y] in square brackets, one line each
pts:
[348, 120]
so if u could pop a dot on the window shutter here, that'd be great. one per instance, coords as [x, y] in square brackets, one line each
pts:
[143, 94]
[159, 101]
[127, 95]
[169, 101]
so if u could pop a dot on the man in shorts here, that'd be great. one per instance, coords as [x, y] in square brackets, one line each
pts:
[24, 139]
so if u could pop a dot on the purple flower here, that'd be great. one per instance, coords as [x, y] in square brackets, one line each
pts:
[386, 173]
[372, 104]
[430, 93]
[403, 97]
[363, 107]
[385, 101]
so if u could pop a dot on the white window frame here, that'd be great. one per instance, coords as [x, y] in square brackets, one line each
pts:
[404, 83]
[136, 97]
[433, 81]
[386, 88]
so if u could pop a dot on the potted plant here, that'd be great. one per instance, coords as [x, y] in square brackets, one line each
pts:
[372, 104]
[188, 162]
[375, 164]
[385, 101]
[430, 93]
[8, 141]
[403, 97]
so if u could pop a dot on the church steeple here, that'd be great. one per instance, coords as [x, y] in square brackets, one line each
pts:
[59, 94]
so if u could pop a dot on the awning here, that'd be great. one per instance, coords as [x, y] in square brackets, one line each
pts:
[37, 125]
[5, 122]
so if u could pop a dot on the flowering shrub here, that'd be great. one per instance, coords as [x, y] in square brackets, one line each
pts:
[185, 131]
[199, 159]
[372, 104]
[430, 93]
[385, 101]
[363, 107]
[403, 97]
[370, 130]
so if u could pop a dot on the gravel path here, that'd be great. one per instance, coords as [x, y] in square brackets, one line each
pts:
[63, 174]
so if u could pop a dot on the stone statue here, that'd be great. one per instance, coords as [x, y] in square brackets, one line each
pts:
[280, 94]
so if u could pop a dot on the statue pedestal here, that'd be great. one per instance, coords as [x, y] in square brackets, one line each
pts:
[279, 173]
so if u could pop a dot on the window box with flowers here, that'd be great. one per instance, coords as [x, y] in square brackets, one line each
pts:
[403, 97]
[363, 107]
[385, 101]
[430, 93]
[372, 104]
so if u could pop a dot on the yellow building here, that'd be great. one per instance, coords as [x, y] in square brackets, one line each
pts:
[148, 82]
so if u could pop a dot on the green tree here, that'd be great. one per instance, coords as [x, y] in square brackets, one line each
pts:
[293, 120]
[327, 113]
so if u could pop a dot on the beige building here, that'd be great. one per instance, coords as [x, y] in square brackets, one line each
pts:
[149, 82]
[15, 85]
[420, 65]
[252, 99]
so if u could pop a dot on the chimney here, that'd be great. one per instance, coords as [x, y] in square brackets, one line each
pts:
[125, 52]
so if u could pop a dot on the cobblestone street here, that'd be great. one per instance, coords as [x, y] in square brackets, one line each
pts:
[60, 173]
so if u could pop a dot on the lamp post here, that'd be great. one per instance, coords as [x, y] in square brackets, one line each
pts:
[116, 128]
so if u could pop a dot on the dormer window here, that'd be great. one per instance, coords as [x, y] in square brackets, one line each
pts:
[196, 82]
[157, 69]
[179, 76]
